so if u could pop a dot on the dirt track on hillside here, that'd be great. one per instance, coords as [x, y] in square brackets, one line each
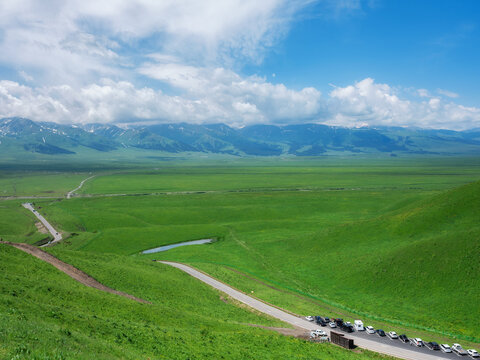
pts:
[70, 270]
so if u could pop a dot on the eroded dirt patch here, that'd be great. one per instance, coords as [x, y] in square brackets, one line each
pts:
[70, 270]
[295, 331]
[41, 228]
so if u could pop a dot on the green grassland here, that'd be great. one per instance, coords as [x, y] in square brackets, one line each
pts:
[395, 242]
[414, 266]
[38, 184]
[313, 174]
[47, 315]
[18, 224]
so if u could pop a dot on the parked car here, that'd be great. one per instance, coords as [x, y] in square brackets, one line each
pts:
[317, 333]
[458, 349]
[432, 345]
[332, 324]
[339, 322]
[319, 321]
[358, 325]
[473, 353]
[445, 348]
[404, 338]
[380, 332]
[417, 342]
[326, 319]
[309, 318]
[370, 330]
[348, 327]
[392, 335]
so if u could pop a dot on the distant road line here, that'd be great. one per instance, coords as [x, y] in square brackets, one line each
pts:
[70, 193]
[185, 192]
[70, 270]
[372, 343]
[56, 235]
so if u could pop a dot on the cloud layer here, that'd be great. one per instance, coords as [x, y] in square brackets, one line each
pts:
[88, 61]
[220, 95]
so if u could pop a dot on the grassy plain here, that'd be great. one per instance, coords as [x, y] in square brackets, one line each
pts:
[393, 242]
[313, 174]
[355, 246]
[47, 315]
[38, 184]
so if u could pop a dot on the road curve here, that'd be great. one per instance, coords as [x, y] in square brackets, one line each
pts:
[394, 349]
[70, 193]
[56, 235]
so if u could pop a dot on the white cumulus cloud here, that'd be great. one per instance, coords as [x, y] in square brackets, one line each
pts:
[371, 103]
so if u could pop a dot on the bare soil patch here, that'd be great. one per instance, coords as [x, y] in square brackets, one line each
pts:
[41, 228]
[295, 331]
[70, 270]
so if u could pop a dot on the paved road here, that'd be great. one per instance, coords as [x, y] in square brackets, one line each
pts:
[70, 193]
[56, 235]
[371, 342]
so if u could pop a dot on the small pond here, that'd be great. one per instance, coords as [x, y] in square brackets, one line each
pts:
[172, 246]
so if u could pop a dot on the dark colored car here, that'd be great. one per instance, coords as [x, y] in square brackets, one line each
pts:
[326, 319]
[432, 345]
[403, 338]
[380, 332]
[319, 321]
[347, 327]
[339, 322]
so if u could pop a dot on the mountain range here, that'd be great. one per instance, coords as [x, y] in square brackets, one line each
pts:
[20, 134]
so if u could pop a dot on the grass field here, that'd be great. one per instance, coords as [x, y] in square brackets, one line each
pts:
[395, 243]
[314, 174]
[47, 315]
[38, 184]
[17, 224]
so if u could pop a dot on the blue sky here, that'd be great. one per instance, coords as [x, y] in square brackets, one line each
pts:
[429, 44]
[240, 62]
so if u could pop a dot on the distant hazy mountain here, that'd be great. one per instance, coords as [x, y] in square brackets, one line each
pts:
[18, 134]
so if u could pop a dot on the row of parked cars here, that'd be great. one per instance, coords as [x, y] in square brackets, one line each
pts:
[358, 326]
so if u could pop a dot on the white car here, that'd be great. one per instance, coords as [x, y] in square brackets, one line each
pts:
[392, 335]
[309, 318]
[332, 325]
[445, 348]
[473, 353]
[370, 330]
[318, 332]
[457, 348]
[417, 342]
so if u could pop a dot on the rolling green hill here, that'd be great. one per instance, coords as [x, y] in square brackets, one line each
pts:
[47, 315]
[357, 248]
[416, 266]
[395, 244]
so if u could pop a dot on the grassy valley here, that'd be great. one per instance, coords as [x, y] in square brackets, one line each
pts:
[395, 243]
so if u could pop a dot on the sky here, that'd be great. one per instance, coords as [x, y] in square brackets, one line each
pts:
[347, 63]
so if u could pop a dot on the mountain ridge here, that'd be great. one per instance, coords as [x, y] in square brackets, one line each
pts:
[254, 140]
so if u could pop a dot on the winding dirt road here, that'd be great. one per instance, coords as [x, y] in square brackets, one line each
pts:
[70, 270]
[70, 193]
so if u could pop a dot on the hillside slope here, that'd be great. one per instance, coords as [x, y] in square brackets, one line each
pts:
[47, 315]
[415, 266]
